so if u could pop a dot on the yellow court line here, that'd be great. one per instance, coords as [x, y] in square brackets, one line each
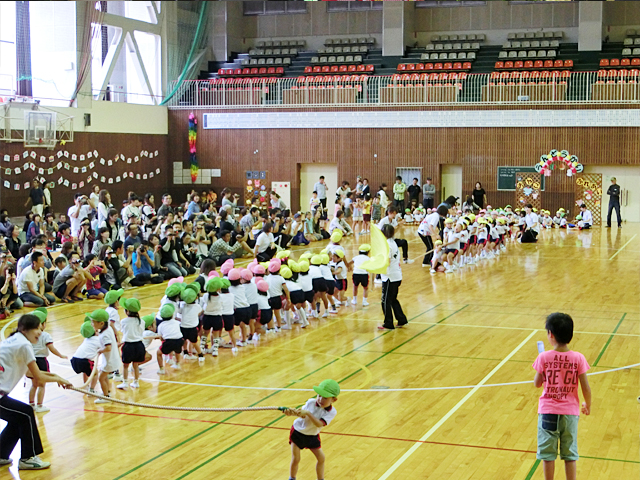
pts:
[622, 247]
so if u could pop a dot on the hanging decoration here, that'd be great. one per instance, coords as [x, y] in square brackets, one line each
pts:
[193, 132]
[561, 160]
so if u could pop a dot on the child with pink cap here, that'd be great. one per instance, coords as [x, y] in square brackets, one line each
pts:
[265, 316]
[242, 310]
[251, 292]
[277, 286]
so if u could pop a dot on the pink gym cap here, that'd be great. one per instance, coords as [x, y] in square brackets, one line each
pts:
[176, 280]
[246, 275]
[226, 268]
[274, 266]
[213, 273]
[234, 274]
[263, 286]
[258, 270]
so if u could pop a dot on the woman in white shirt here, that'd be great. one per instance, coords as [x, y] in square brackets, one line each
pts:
[16, 358]
[265, 247]
[391, 284]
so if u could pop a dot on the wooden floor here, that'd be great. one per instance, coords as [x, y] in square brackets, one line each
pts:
[476, 326]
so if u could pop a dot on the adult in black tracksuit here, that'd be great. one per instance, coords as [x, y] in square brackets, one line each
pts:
[614, 202]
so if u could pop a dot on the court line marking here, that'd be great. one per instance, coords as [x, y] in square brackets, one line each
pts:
[606, 345]
[534, 467]
[453, 410]
[622, 247]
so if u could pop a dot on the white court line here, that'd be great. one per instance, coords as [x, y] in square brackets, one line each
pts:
[622, 247]
[450, 413]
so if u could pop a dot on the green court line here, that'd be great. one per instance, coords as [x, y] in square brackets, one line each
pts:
[533, 470]
[253, 404]
[606, 345]
[442, 356]
[610, 459]
[339, 381]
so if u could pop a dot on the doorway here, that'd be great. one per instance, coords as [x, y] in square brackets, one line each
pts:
[451, 182]
[626, 177]
[309, 175]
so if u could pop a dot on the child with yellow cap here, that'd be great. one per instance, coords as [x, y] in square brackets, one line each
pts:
[339, 270]
[317, 413]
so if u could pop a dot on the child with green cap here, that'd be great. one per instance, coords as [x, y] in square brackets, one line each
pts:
[109, 360]
[171, 296]
[82, 361]
[212, 315]
[318, 412]
[132, 334]
[112, 299]
[41, 349]
[190, 323]
[171, 336]
[148, 335]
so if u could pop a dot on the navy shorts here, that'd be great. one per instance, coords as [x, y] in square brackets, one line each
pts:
[265, 316]
[341, 284]
[297, 297]
[43, 364]
[242, 315]
[451, 250]
[190, 333]
[172, 345]
[319, 285]
[331, 286]
[275, 303]
[212, 322]
[228, 321]
[133, 352]
[254, 311]
[308, 296]
[303, 441]
[81, 365]
[482, 241]
[360, 279]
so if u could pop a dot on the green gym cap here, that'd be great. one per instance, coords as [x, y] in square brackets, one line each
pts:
[225, 283]
[195, 286]
[316, 260]
[148, 320]
[131, 305]
[167, 311]
[43, 310]
[173, 290]
[87, 330]
[188, 295]
[113, 296]
[99, 315]
[213, 285]
[328, 389]
[41, 315]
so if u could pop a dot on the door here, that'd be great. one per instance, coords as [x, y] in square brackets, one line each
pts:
[309, 175]
[451, 182]
[627, 177]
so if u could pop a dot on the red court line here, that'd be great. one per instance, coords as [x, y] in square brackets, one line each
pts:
[288, 428]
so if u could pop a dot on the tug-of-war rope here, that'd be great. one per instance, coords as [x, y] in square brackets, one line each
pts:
[286, 409]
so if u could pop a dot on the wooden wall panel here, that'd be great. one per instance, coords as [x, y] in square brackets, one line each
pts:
[478, 150]
[108, 146]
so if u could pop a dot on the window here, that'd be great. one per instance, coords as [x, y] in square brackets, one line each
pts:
[352, 6]
[273, 8]
[450, 3]
[144, 11]
[7, 48]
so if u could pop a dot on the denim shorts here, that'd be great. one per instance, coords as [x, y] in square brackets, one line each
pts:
[557, 429]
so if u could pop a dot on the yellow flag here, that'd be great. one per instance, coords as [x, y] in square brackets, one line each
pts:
[379, 260]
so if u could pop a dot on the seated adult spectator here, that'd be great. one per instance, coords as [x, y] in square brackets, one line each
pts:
[12, 241]
[111, 223]
[114, 274]
[102, 240]
[265, 247]
[68, 284]
[143, 260]
[221, 250]
[134, 236]
[31, 283]
[9, 299]
[169, 254]
[5, 223]
[86, 238]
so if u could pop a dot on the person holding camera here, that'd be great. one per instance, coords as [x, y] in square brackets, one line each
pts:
[169, 254]
[154, 246]
[114, 274]
[202, 242]
[81, 209]
[229, 199]
[67, 285]
[134, 236]
[31, 283]
[8, 289]
[86, 237]
[143, 259]
[221, 250]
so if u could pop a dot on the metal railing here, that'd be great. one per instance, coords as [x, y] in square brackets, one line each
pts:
[436, 89]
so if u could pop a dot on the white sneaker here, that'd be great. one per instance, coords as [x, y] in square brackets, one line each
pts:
[33, 463]
[234, 350]
[448, 270]
[364, 302]
[240, 343]
[338, 303]
[135, 384]
[354, 301]
[175, 366]
[286, 326]
[122, 386]
[377, 281]
[162, 371]
[408, 260]
[102, 400]
[5, 461]
[41, 409]
[118, 378]
[214, 352]
[201, 360]
[432, 271]
[255, 337]
[333, 311]
[325, 315]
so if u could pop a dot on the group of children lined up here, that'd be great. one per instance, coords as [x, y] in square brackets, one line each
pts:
[262, 298]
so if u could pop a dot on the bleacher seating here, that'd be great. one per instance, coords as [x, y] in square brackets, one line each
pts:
[529, 78]
[618, 76]
[332, 42]
[441, 78]
[536, 35]
[338, 59]
[469, 56]
[324, 81]
[339, 69]
[273, 52]
[250, 62]
[468, 37]
[534, 65]
[453, 47]
[281, 43]
[443, 67]
[620, 63]
[344, 50]
[251, 72]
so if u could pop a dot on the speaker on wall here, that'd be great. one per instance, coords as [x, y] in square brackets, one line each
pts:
[87, 119]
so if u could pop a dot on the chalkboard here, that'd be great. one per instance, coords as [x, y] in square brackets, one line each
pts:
[507, 177]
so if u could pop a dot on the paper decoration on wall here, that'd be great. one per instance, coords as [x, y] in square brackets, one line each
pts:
[16, 158]
[33, 155]
[49, 171]
[135, 159]
[103, 179]
[7, 158]
[17, 171]
[41, 171]
[66, 182]
[7, 184]
[122, 157]
[109, 163]
[137, 176]
[144, 177]
[157, 170]
[7, 171]
[26, 185]
[102, 162]
[95, 153]
[110, 181]
[66, 154]
[128, 160]
[82, 158]
[59, 154]
[74, 157]
[89, 154]
[561, 160]
[33, 167]
[117, 179]
[74, 186]
[59, 165]
[42, 159]
[89, 179]
[60, 180]
[16, 186]
[51, 159]
[95, 174]
[151, 155]
[151, 175]
[91, 165]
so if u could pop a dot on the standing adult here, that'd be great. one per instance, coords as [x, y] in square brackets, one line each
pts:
[366, 189]
[166, 207]
[341, 193]
[391, 281]
[479, 195]
[228, 199]
[384, 198]
[428, 193]
[321, 188]
[16, 358]
[36, 197]
[79, 211]
[414, 192]
[429, 231]
[399, 192]
[532, 227]
[614, 202]
[194, 207]
[104, 204]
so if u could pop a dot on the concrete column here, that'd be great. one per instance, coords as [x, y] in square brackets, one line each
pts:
[393, 19]
[590, 26]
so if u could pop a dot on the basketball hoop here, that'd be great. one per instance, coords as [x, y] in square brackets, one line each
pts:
[39, 129]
